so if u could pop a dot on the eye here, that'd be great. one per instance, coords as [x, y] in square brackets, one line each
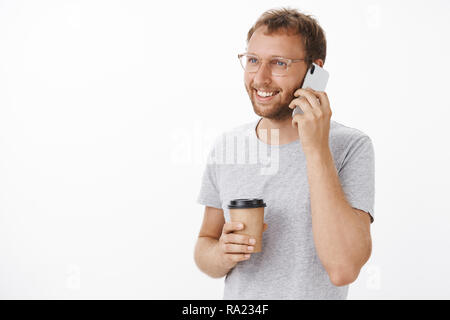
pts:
[252, 60]
[280, 63]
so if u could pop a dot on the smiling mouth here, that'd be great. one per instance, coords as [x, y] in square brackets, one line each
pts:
[265, 95]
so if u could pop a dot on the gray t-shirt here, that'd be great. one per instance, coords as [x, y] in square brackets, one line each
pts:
[242, 166]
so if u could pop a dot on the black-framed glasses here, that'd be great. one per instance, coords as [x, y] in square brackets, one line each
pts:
[279, 65]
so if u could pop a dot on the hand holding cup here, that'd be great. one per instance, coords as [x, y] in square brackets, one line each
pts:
[234, 247]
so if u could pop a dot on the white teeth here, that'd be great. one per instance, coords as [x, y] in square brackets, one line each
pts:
[265, 94]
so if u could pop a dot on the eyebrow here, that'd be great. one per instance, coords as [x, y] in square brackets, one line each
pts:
[272, 56]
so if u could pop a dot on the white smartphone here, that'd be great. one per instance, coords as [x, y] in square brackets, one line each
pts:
[316, 78]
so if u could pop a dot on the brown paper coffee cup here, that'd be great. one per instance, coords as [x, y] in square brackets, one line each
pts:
[251, 213]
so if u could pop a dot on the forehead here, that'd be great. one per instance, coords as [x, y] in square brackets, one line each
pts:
[280, 43]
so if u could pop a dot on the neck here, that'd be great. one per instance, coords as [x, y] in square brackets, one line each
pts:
[286, 132]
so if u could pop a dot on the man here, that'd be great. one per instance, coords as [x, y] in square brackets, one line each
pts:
[319, 199]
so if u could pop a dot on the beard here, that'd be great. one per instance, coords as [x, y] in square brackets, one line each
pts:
[275, 110]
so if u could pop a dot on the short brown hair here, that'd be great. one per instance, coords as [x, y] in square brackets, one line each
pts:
[291, 20]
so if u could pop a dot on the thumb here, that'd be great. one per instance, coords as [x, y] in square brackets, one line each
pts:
[295, 120]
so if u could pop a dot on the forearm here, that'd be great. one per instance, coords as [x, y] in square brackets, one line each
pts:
[342, 241]
[207, 258]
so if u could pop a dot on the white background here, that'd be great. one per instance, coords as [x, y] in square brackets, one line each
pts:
[108, 108]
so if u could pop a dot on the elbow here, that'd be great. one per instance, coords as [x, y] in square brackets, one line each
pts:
[343, 277]
[348, 272]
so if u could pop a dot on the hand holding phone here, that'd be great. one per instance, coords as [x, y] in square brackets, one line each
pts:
[316, 78]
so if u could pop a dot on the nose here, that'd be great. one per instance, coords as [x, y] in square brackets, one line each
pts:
[264, 74]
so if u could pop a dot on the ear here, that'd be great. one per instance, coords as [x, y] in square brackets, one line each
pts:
[319, 62]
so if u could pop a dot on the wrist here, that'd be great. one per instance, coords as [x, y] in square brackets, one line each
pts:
[220, 258]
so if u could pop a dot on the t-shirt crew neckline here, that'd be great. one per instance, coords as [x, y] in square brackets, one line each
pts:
[255, 135]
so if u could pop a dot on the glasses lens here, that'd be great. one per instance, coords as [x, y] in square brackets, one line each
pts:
[279, 66]
[250, 63]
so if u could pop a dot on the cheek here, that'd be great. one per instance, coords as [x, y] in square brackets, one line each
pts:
[286, 88]
[247, 80]
[292, 87]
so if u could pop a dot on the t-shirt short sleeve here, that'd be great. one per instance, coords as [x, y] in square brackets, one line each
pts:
[357, 175]
[209, 193]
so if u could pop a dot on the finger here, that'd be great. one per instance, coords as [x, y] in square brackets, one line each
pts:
[237, 239]
[304, 105]
[238, 257]
[265, 227]
[309, 95]
[324, 102]
[297, 100]
[296, 119]
[308, 113]
[237, 248]
[232, 226]
[313, 100]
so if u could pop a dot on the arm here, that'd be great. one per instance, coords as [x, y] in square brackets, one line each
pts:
[341, 233]
[206, 257]
[218, 250]
[206, 254]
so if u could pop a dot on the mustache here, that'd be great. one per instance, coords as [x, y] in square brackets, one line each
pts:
[266, 89]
